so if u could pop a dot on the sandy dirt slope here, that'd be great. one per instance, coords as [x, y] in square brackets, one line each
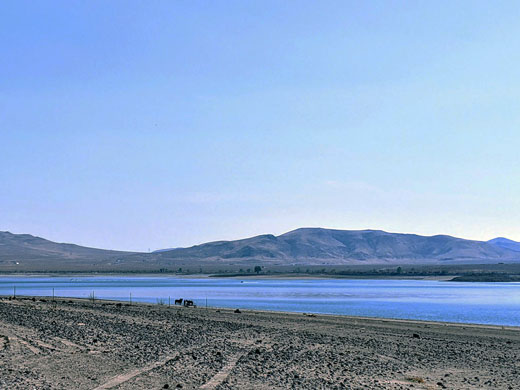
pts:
[74, 344]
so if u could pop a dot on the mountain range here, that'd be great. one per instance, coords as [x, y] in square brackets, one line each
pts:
[304, 246]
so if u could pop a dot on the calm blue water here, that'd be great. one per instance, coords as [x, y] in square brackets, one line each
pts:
[484, 303]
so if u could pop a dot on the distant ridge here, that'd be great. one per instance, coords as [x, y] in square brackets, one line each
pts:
[304, 246]
[506, 243]
[331, 246]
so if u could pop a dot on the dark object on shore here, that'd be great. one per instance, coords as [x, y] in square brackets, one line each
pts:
[178, 301]
[118, 304]
[188, 303]
[237, 311]
[416, 336]
[166, 386]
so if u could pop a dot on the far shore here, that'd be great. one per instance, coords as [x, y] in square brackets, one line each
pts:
[233, 276]
[307, 276]
[485, 278]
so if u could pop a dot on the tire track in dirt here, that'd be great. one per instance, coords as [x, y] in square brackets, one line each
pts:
[212, 384]
[222, 375]
[28, 336]
[4, 342]
[119, 379]
[32, 348]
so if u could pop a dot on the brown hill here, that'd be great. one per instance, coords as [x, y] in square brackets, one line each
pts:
[329, 246]
[305, 246]
[27, 252]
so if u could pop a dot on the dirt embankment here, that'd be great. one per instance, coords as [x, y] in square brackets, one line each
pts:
[74, 344]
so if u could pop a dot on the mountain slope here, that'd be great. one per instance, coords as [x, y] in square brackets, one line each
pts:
[319, 246]
[506, 243]
[27, 250]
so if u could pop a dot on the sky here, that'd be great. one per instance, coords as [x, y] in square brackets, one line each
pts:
[142, 125]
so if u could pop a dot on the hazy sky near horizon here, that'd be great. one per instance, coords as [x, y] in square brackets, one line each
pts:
[152, 124]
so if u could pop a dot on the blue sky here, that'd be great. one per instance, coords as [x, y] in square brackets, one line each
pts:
[151, 124]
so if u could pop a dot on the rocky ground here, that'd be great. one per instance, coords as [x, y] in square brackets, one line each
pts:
[77, 344]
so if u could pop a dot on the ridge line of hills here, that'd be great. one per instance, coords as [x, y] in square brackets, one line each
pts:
[304, 246]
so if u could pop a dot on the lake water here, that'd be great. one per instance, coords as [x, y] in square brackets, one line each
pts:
[484, 303]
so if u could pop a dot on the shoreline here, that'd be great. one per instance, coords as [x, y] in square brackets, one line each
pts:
[456, 277]
[281, 276]
[114, 345]
[102, 301]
